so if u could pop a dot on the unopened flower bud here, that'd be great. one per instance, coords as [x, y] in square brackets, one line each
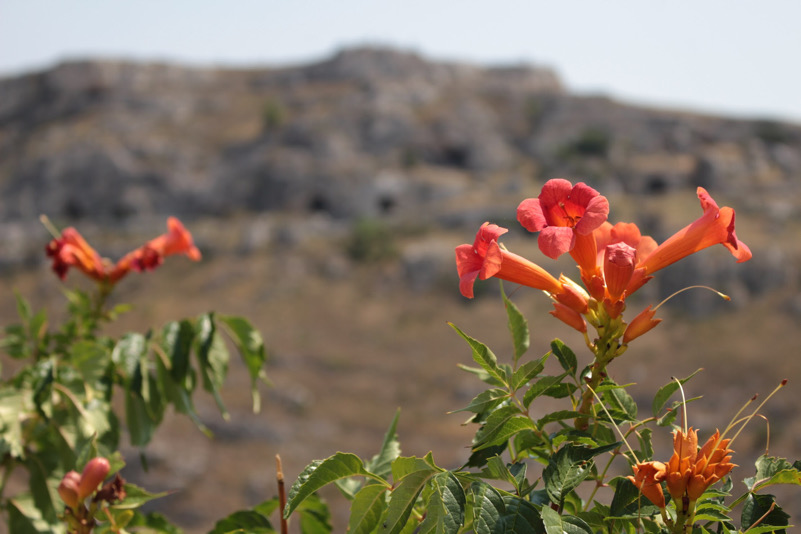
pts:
[569, 316]
[641, 324]
[619, 262]
[68, 489]
[93, 475]
[572, 295]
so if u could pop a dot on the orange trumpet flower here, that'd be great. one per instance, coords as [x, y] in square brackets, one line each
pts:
[485, 258]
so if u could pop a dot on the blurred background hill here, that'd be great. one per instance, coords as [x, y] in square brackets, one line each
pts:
[327, 198]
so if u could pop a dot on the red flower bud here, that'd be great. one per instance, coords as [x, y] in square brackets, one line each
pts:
[619, 262]
[93, 475]
[68, 489]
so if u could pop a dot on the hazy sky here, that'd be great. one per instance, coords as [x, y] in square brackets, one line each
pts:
[730, 56]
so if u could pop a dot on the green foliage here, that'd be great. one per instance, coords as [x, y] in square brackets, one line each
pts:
[371, 241]
[529, 463]
[60, 408]
[592, 142]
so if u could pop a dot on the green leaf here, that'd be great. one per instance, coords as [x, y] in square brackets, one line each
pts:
[568, 467]
[501, 425]
[542, 387]
[527, 372]
[628, 502]
[485, 401]
[565, 356]
[25, 518]
[557, 524]
[404, 495]
[213, 359]
[518, 327]
[488, 508]
[771, 470]
[177, 340]
[249, 343]
[140, 425]
[135, 497]
[381, 463]
[445, 506]
[322, 472]
[483, 356]
[519, 517]
[152, 523]
[665, 392]
[127, 353]
[366, 509]
[622, 402]
[559, 415]
[245, 521]
[314, 516]
[755, 509]
[44, 498]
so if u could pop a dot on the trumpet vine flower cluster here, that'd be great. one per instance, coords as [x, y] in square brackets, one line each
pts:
[614, 261]
[70, 249]
[687, 475]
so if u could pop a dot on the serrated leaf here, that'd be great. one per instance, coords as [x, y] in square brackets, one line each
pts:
[568, 467]
[483, 356]
[488, 508]
[559, 415]
[381, 463]
[771, 470]
[619, 399]
[527, 372]
[557, 524]
[665, 392]
[565, 356]
[366, 509]
[445, 506]
[518, 327]
[758, 508]
[501, 426]
[541, 387]
[403, 497]
[519, 517]
[322, 472]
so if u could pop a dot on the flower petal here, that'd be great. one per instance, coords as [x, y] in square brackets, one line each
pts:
[530, 215]
[556, 240]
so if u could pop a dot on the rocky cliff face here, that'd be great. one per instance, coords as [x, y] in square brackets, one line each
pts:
[367, 133]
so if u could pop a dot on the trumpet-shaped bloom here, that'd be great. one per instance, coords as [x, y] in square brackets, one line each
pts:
[485, 258]
[712, 464]
[177, 240]
[691, 471]
[647, 477]
[561, 213]
[715, 226]
[71, 250]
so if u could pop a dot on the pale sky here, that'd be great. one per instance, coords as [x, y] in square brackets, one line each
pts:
[738, 57]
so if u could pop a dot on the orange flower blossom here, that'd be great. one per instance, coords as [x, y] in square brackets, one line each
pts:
[485, 258]
[566, 216]
[72, 250]
[647, 477]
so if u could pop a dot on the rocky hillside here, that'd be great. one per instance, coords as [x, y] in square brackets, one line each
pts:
[370, 133]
